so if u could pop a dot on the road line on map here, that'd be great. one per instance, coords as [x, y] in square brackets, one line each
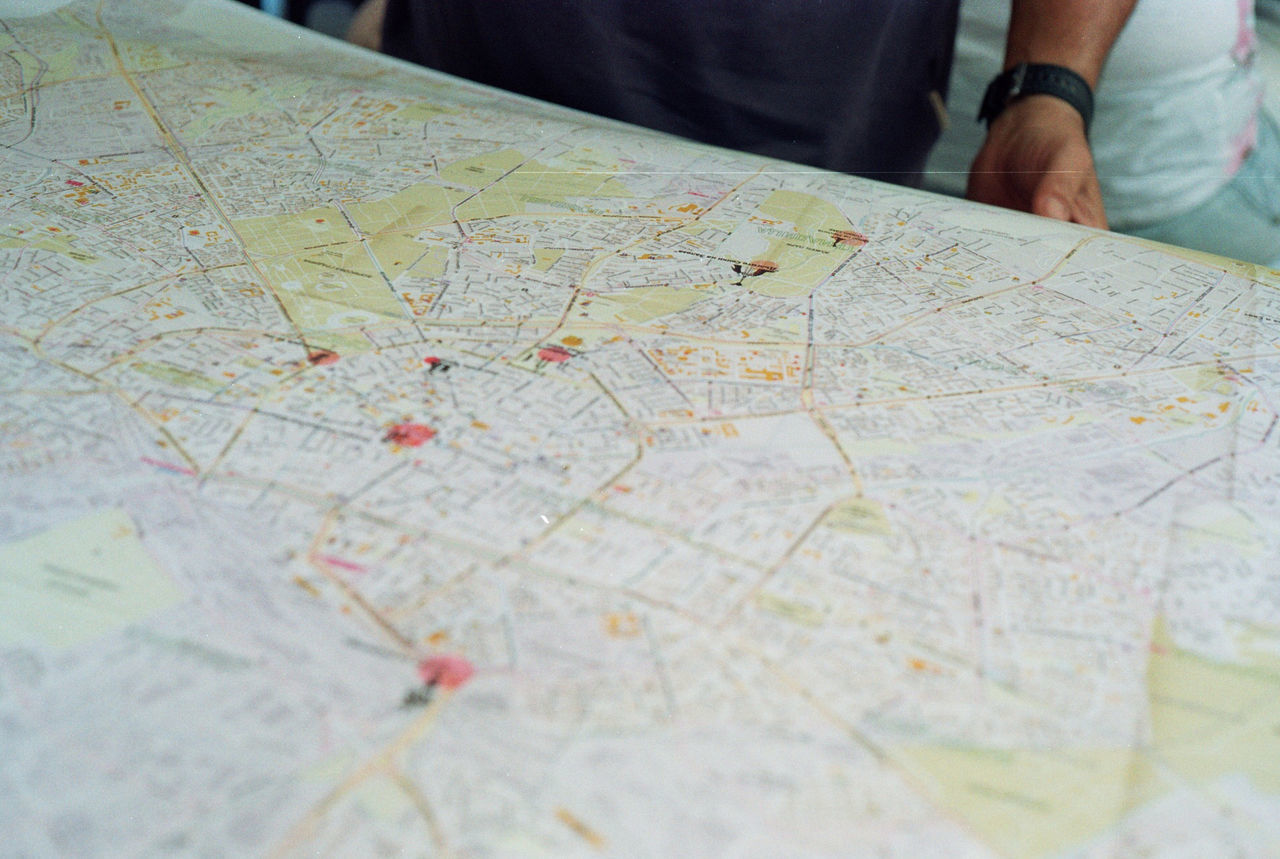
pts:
[430, 595]
[806, 388]
[379, 763]
[969, 392]
[969, 299]
[317, 560]
[1164, 335]
[52, 324]
[773, 568]
[254, 411]
[423, 807]
[106, 387]
[184, 163]
[878, 752]
[681, 224]
[362, 239]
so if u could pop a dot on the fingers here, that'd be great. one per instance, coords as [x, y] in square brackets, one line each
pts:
[1052, 206]
[1037, 159]
[1070, 197]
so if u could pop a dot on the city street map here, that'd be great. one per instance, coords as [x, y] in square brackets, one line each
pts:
[391, 466]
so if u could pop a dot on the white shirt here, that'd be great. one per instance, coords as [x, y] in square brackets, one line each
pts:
[1175, 114]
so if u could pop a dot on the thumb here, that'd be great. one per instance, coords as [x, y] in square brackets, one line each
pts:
[1070, 195]
[1051, 206]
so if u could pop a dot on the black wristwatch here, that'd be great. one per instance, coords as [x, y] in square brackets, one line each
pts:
[1037, 79]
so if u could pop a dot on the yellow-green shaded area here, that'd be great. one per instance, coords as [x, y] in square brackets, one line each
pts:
[1205, 379]
[545, 258]
[991, 504]
[808, 213]
[178, 376]
[395, 253]
[432, 261]
[643, 304]
[804, 252]
[859, 516]
[51, 66]
[591, 158]
[148, 56]
[480, 170]
[58, 243]
[1221, 526]
[1209, 720]
[997, 506]
[413, 209]
[78, 581]
[328, 770]
[857, 448]
[325, 276]
[276, 235]
[530, 186]
[218, 104]
[421, 111]
[795, 612]
[1026, 803]
[338, 288]
[697, 228]
[392, 222]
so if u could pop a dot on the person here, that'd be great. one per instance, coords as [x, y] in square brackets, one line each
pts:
[1185, 152]
[850, 85]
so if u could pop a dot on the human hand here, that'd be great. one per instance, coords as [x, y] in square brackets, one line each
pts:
[1036, 159]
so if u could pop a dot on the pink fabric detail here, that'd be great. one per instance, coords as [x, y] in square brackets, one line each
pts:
[1242, 144]
[1246, 38]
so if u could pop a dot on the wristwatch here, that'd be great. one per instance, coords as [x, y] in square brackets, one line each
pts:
[1037, 79]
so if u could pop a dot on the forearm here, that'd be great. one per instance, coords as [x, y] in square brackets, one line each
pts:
[1036, 157]
[1077, 34]
[365, 29]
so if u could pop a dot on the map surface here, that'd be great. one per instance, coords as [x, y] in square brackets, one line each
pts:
[391, 466]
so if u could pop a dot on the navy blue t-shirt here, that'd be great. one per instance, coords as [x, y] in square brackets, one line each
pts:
[841, 84]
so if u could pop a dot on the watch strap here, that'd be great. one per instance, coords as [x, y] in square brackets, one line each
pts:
[1037, 79]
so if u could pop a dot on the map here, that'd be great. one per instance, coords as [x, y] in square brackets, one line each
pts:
[394, 466]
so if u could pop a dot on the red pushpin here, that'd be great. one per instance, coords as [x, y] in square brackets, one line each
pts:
[445, 670]
[321, 357]
[410, 435]
[554, 354]
[436, 364]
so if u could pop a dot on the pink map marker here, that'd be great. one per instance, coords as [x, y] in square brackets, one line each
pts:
[445, 670]
[410, 435]
[554, 354]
